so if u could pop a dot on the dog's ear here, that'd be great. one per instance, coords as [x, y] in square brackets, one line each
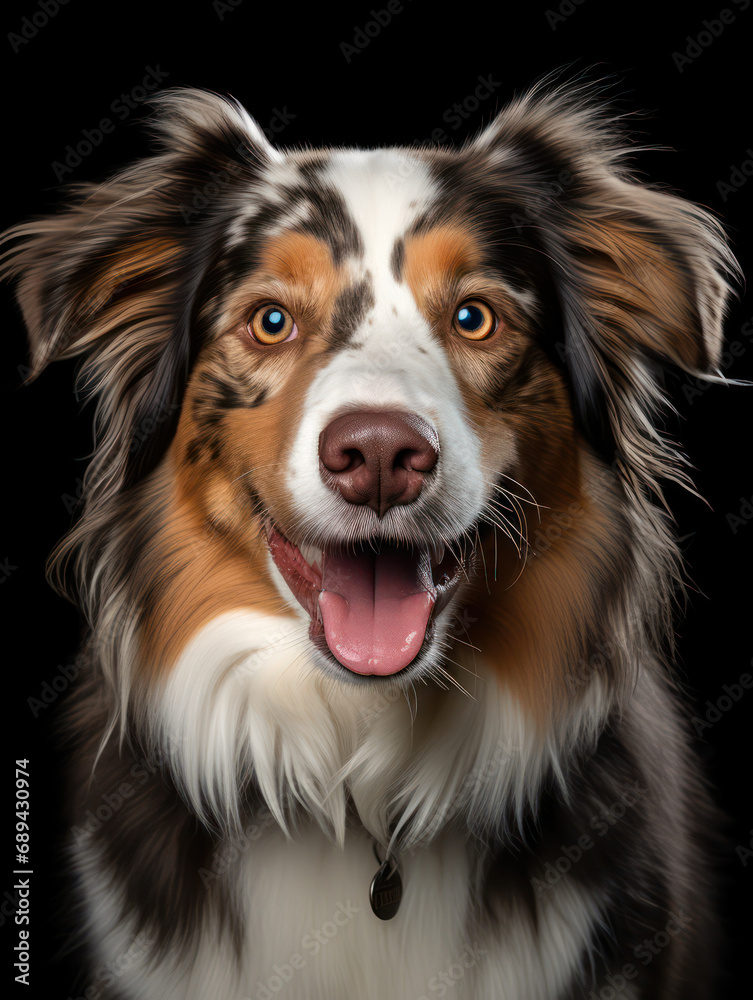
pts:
[641, 275]
[114, 275]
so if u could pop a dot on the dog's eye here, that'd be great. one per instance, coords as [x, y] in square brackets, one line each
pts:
[474, 320]
[271, 324]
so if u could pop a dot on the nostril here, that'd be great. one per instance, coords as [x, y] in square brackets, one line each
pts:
[354, 458]
[338, 459]
[417, 460]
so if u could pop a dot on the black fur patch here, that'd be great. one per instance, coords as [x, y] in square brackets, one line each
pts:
[349, 311]
[226, 393]
[600, 840]
[329, 221]
[165, 860]
[510, 388]
[397, 260]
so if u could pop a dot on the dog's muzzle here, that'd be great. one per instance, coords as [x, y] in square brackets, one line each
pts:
[371, 601]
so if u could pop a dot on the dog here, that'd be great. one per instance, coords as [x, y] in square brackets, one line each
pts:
[373, 556]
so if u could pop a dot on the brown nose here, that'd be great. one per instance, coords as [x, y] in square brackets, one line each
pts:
[378, 457]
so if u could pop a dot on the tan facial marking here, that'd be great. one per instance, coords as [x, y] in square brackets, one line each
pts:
[435, 257]
[530, 609]
[212, 550]
[205, 574]
[297, 271]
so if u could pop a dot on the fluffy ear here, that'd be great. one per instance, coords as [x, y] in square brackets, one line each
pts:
[641, 274]
[114, 274]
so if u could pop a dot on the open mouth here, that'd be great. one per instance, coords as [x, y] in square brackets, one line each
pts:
[370, 603]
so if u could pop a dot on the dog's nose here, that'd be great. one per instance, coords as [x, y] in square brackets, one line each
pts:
[378, 457]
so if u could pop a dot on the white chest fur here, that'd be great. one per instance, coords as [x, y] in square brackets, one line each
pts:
[242, 699]
[314, 932]
[310, 932]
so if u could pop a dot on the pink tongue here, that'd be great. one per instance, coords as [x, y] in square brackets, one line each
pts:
[375, 608]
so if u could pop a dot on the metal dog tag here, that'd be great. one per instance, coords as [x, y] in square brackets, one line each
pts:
[386, 891]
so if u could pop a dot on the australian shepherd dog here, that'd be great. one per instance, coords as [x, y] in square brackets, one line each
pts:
[376, 571]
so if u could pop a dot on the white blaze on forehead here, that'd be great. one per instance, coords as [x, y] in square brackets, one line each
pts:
[399, 363]
[384, 191]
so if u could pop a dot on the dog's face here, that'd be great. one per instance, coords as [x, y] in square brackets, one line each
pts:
[362, 376]
[372, 380]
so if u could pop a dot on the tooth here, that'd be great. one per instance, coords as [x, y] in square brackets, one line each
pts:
[437, 552]
[311, 553]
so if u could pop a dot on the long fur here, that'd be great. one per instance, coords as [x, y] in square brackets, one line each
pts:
[229, 780]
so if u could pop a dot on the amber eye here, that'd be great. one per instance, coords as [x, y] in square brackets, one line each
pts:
[271, 324]
[474, 320]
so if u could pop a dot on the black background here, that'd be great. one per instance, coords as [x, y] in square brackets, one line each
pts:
[397, 89]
